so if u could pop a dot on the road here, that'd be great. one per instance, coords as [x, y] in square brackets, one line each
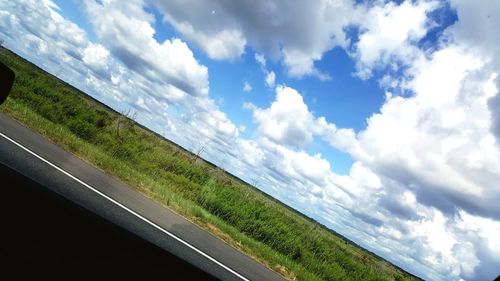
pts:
[62, 173]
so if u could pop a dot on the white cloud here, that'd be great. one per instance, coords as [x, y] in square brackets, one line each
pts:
[95, 56]
[261, 60]
[389, 33]
[136, 72]
[436, 148]
[287, 121]
[270, 79]
[63, 39]
[298, 34]
[126, 30]
[473, 29]
[247, 87]
[270, 76]
[436, 132]
[287, 174]
[225, 44]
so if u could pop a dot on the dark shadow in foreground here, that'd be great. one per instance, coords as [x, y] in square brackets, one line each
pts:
[44, 236]
[6, 81]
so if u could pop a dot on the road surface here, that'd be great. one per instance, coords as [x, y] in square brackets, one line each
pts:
[60, 172]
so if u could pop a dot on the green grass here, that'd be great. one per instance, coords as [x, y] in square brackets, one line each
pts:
[284, 240]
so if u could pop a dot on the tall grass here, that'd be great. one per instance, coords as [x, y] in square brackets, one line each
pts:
[294, 246]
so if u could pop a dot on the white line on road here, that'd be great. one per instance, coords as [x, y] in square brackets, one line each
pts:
[126, 208]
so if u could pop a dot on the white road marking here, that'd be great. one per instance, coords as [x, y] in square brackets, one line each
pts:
[125, 208]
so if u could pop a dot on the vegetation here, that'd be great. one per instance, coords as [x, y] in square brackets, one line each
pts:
[284, 240]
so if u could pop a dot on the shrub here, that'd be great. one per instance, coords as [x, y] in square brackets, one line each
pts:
[82, 129]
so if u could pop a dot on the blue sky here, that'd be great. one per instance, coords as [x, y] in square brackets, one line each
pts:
[333, 98]
[379, 119]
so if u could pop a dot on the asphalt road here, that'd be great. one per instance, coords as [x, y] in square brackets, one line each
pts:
[69, 177]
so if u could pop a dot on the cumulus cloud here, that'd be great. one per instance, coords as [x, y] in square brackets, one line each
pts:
[270, 76]
[225, 44]
[95, 56]
[444, 129]
[58, 38]
[270, 79]
[494, 106]
[247, 87]
[427, 162]
[126, 29]
[126, 69]
[297, 33]
[261, 60]
[288, 121]
[438, 147]
[389, 33]
[473, 30]
[300, 34]
[163, 79]
[286, 173]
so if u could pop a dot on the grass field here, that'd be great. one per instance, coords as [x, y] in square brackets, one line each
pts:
[285, 241]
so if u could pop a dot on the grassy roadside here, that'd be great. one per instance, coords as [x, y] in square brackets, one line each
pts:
[285, 241]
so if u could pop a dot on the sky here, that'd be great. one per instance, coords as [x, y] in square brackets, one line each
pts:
[379, 119]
